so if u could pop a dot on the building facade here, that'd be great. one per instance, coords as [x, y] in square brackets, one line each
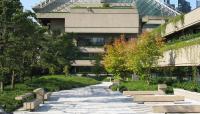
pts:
[99, 22]
[198, 3]
[184, 6]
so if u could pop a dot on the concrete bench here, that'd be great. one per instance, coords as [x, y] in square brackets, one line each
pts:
[177, 109]
[40, 93]
[24, 97]
[135, 93]
[158, 98]
[32, 105]
[47, 95]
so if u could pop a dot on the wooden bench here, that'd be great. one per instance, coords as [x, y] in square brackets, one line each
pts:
[177, 109]
[158, 98]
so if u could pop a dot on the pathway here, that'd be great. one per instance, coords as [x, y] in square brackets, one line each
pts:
[96, 99]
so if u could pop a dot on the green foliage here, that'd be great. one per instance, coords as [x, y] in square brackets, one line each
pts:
[98, 68]
[181, 43]
[61, 82]
[160, 80]
[26, 45]
[66, 70]
[114, 59]
[175, 20]
[7, 98]
[135, 86]
[191, 86]
[145, 55]
[106, 5]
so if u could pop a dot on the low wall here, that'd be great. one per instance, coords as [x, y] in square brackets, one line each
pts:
[186, 56]
[188, 94]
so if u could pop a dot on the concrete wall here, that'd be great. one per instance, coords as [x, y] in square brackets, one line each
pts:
[190, 19]
[97, 20]
[187, 56]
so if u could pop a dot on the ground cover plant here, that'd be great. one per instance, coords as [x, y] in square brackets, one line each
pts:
[138, 85]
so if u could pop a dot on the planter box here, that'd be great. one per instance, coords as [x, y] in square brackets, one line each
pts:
[177, 109]
[158, 98]
[135, 93]
[188, 94]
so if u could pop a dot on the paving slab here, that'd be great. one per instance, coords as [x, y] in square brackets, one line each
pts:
[96, 99]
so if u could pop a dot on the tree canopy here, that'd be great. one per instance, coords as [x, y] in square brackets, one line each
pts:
[25, 45]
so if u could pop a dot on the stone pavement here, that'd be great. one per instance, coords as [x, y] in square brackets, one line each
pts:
[96, 99]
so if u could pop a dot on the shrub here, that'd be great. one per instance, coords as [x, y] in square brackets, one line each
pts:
[191, 86]
[134, 86]
[167, 81]
[106, 5]
[169, 90]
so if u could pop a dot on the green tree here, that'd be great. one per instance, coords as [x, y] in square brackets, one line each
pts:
[114, 60]
[98, 65]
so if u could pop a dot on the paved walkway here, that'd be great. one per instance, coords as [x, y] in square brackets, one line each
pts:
[97, 99]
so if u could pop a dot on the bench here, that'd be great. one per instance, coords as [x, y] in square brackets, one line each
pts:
[32, 105]
[177, 109]
[158, 98]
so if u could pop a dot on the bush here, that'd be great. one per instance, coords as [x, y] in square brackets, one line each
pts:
[114, 88]
[106, 5]
[169, 90]
[60, 82]
[191, 86]
[167, 81]
[135, 86]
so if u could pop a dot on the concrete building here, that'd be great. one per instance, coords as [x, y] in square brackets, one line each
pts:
[188, 55]
[98, 22]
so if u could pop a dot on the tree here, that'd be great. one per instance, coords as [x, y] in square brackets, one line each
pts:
[136, 55]
[114, 59]
[145, 55]
[58, 53]
[98, 65]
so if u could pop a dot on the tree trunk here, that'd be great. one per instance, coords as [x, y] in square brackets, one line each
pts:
[1, 86]
[13, 80]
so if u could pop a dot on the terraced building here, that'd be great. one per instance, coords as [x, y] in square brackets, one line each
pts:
[97, 22]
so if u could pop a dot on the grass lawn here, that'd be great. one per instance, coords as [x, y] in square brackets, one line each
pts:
[135, 86]
[50, 83]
